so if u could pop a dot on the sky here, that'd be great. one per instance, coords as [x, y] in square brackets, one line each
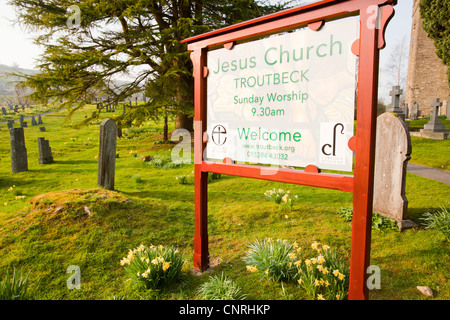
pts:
[18, 48]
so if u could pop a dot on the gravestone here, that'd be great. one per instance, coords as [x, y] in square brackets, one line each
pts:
[42, 129]
[395, 93]
[45, 152]
[448, 109]
[33, 121]
[4, 111]
[23, 124]
[10, 124]
[393, 149]
[406, 111]
[10, 107]
[107, 154]
[19, 161]
[40, 120]
[434, 125]
[415, 111]
[23, 107]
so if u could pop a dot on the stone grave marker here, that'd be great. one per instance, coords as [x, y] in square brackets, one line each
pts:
[33, 121]
[406, 111]
[23, 123]
[10, 124]
[4, 111]
[42, 129]
[107, 154]
[45, 152]
[395, 93]
[393, 149]
[448, 109]
[19, 161]
[10, 107]
[40, 120]
[434, 125]
[415, 111]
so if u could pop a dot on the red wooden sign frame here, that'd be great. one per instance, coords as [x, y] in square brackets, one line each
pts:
[374, 17]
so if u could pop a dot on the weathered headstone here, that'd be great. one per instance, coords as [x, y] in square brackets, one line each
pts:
[19, 161]
[10, 107]
[448, 109]
[42, 129]
[23, 123]
[40, 120]
[393, 149]
[107, 154]
[415, 111]
[395, 93]
[4, 111]
[45, 152]
[10, 124]
[406, 111]
[33, 121]
[434, 125]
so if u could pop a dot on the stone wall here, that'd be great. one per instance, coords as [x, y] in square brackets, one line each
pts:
[427, 78]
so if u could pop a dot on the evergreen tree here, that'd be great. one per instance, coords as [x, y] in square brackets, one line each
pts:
[89, 44]
[436, 22]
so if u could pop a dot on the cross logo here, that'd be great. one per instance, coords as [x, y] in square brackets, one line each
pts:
[219, 135]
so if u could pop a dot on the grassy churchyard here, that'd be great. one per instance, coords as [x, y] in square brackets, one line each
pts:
[53, 217]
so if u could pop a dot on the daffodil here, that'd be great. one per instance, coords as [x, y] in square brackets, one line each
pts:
[320, 297]
[166, 266]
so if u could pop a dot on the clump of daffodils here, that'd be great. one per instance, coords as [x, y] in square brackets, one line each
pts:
[281, 197]
[153, 267]
[319, 270]
[271, 259]
[323, 273]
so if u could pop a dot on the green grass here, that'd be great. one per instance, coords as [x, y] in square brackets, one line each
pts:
[65, 220]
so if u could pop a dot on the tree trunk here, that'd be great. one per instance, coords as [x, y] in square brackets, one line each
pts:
[183, 121]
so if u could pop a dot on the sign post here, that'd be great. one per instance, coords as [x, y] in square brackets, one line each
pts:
[288, 100]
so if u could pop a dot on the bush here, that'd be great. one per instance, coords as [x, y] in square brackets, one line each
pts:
[220, 288]
[439, 220]
[271, 258]
[153, 267]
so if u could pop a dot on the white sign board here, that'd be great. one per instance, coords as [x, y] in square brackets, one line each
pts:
[285, 100]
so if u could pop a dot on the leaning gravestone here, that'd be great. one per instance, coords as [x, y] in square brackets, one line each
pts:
[40, 120]
[107, 154]
[33, 121]
[19, 161]
[45, 152]
[393, 149]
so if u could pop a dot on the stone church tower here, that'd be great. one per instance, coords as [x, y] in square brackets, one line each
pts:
[427, 78]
